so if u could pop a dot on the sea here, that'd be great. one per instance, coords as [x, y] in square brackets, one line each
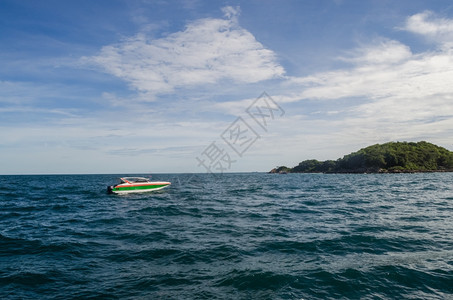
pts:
[228, 236]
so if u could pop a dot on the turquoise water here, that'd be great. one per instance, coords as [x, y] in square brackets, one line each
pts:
[233, 236]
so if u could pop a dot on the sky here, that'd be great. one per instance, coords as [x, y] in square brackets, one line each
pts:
[141, 86]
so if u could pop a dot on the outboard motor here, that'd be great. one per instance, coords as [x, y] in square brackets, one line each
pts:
[110, 189]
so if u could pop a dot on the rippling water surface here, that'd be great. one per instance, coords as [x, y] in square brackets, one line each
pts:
[233, 236]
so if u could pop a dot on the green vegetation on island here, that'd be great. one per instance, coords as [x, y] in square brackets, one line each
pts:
[393, 157]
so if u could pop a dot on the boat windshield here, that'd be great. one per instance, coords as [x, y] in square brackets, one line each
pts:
[134, 179]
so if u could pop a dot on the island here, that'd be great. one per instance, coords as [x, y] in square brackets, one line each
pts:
[392, 157]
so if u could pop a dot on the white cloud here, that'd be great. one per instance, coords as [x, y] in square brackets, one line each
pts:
[387, 69]
[231, 12]
[386, 93]
[381, 52]
[431, 26]
[206, 52]
[402, 75]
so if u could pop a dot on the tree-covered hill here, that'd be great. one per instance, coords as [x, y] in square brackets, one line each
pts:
[390, 157]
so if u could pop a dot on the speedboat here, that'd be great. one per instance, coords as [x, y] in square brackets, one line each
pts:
[136, 185]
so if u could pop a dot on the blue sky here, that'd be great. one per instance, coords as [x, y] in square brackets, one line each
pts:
[152, 86]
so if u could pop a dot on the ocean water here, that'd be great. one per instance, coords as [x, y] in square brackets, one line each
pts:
[232, 236]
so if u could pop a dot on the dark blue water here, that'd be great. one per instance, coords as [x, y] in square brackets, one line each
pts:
[234, 236]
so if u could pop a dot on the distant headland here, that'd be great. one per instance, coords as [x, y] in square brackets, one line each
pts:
[393, 157]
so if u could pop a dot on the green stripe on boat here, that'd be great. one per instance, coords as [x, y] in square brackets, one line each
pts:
[140, 187]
